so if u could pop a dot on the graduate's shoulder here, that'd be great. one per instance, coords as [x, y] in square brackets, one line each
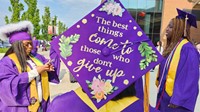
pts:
[188, 45]
[188, 48]
[63, 102]
[40, 57]
[6, 61]
[138, 106]
[64, 98]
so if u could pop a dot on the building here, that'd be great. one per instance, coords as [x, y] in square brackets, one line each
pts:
[153, 16]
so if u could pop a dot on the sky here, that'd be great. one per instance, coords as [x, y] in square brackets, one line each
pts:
[68, 11]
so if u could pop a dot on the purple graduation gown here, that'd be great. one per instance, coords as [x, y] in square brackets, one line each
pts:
[35, 44]
[186, 87]
[14, 87]
[139, 88]
[70, 102]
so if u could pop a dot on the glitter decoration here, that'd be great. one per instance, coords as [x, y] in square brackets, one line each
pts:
[69, 63]
[126, 82]
[78, 26]
[134, 27]
[92, 15]
[139, 33]
[84, 21]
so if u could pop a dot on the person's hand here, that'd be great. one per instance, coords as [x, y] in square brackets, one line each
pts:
[46, 67]
[50, 65]
[172, 105]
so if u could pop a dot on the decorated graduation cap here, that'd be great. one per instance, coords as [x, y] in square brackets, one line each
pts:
[16, 31]
[189, 19]
[106, 51]
[53, 37]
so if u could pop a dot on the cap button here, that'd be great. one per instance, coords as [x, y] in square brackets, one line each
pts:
[105, 51]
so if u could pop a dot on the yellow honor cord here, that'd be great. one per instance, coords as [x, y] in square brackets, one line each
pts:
[146, 93]
[173, 67]
[33, 87]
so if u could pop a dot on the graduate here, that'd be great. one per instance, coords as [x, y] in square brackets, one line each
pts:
[36, 45]
[24, 77]
[78, 101]
[179, 73]
[107, 53]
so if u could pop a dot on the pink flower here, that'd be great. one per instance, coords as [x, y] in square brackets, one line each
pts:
[118, 10]
[97, 85]
[110, 7]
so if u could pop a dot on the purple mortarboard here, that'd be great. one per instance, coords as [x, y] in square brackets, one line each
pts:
[190, 18]
[16, 31]
[106, 51]
[53, 37]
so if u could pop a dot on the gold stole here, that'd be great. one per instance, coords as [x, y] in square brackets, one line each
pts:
[33, 88]
[173, 67]
[146, 92]
[111, 106]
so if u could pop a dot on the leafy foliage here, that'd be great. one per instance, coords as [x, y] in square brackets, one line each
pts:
[61, 27]
[148, 53]
[3, 50]
[46, 18]
[33, 14]
[15, 8]
[65, 46]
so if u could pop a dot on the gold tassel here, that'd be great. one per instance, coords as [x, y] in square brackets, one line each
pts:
[185, 29]
[102, 1]
[146, 93]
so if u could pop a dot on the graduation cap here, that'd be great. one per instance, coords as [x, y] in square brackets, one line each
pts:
[106, 51]
[189, 19]
[16, 31]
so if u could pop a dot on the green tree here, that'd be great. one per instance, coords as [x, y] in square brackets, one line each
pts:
[36, 23]
[46, 18]
[15, 8]
[33, 15]
[54, 23]
[61, 27]
[6, 19]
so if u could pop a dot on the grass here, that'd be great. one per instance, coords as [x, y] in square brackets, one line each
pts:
[3, 50]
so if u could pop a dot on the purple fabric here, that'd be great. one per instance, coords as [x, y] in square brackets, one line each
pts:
[53, 76]
[56, 59]
[139, 88]
[19, 36]
[70, 102]
[14, 87]
[35, 44]
[44, 105]
[186, 83]
[138, 107]
[106, 47]
[192, 21]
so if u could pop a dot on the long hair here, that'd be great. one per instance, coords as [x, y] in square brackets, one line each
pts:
[160, 45]
[177, 34]
[19, 50]
[129, 91]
